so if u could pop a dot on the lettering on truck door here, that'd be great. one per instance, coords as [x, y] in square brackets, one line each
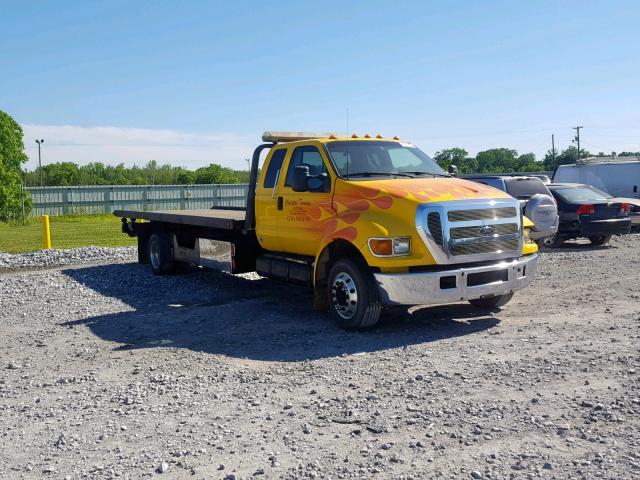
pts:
[306, 213]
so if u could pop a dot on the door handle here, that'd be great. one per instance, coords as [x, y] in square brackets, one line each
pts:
[280, 203]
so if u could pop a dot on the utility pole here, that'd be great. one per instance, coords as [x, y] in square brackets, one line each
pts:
[577, 139]
[40, 142]
[553, 148]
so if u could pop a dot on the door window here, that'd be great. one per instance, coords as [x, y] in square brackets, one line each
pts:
[274, 167]
[305, 156]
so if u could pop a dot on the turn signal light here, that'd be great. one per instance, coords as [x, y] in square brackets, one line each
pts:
[586, 209]
[381, 246]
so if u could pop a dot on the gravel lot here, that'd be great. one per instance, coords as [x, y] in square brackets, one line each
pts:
[107, 371]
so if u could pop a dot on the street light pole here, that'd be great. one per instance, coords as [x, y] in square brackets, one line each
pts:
[40, 142]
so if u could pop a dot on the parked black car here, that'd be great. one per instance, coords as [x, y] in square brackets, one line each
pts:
[588, 212]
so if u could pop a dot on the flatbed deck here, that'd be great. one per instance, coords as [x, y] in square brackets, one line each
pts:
[223, 219]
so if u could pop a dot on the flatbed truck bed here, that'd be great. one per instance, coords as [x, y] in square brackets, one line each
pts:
[218, 218]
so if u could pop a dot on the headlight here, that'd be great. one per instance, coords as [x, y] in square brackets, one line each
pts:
[390, 247]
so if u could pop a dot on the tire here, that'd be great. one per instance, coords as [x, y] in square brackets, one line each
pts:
[353, 295]
[598, 240]
[161, 254]
[492, 302]
[554, 241]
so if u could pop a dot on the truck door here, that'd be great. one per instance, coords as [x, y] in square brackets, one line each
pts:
[305, 213]
[269, 205]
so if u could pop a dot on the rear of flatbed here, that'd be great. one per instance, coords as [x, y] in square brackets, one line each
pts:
[212, 237]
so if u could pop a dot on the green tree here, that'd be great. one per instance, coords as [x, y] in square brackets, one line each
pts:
[451, 156]
[567, 156]
[216, 174]
[497, 160]
[12, 156]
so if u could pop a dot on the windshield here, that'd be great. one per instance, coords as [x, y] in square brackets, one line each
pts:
[583, 193]
[353, 159]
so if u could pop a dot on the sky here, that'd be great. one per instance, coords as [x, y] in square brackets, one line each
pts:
[193, 83]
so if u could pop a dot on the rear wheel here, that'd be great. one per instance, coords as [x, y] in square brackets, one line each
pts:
[599, 239]
[353, 295]
[161, 254]
[492, 302]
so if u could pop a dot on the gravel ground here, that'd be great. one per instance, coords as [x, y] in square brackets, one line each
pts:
[57, 258]
[107, 371]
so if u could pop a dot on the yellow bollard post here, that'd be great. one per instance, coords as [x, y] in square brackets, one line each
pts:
[46, 233]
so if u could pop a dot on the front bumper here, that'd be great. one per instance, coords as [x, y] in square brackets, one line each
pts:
[464, 283]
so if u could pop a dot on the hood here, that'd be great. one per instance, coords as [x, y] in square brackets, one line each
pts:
[425, 190]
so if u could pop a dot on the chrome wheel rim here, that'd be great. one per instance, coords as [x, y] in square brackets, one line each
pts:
[344, 295]
[154, 254]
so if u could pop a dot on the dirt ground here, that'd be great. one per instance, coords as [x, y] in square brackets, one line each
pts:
[107, 371]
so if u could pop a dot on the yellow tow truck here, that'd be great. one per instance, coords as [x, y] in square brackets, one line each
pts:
[367, 222]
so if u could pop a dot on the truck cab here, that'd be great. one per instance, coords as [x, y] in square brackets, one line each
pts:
[380, 223]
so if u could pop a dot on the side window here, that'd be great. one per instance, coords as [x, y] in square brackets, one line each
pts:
[274, 166]
[309, 156]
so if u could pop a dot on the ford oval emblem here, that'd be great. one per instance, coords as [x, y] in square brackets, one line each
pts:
[487, 230]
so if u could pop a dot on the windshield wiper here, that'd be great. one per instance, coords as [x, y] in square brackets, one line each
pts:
[370, 174]
[445, 175]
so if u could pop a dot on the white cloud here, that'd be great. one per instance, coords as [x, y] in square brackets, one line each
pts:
[113, 145]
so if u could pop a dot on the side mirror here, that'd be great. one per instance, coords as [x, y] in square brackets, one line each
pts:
[319, 183]
[453, 170]
[300, 181]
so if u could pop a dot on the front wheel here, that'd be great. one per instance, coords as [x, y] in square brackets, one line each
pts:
[599, 239]
[492, 302]
[353, 295]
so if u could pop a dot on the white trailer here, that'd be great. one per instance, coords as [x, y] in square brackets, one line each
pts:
[618, 177]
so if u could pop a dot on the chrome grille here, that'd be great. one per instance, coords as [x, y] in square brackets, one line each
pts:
[467, 232]
[435, 228]
[471, 230]
[481, 214]
[485, 247]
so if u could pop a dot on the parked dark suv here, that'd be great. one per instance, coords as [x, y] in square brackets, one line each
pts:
[535, 199]
[588, 212]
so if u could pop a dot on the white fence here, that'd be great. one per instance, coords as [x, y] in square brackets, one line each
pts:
[107, 198]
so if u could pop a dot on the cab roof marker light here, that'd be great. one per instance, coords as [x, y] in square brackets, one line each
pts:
[354, 136]
[396, 138]
[379, 135]
[273, 136]
[366, 135]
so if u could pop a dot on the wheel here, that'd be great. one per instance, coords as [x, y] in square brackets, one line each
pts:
[599, 239]
[554, 241]
[492, 302]
[353, 295]
[161, 254]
